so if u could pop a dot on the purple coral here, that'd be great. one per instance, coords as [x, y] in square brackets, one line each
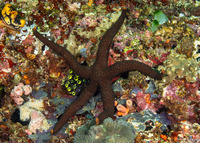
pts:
[182, 98]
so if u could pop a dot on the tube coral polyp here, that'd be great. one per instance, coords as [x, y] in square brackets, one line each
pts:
[122, 110]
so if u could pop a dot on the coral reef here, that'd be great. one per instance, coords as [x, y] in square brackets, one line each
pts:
[161, 34]
[100, 75]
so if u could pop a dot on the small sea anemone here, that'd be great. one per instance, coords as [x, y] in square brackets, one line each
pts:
[108, 132]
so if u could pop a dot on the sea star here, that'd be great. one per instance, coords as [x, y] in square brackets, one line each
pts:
[99, 74]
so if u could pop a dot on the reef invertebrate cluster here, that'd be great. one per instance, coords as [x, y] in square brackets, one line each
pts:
[99, 75]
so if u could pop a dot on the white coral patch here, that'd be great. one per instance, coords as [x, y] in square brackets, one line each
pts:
[38, 122]
[29, 107]
[32, 110]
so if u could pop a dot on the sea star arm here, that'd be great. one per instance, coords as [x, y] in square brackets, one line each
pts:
[132, 65]
[77, 104]
[104, 45]
[82, 71]
[108, 101]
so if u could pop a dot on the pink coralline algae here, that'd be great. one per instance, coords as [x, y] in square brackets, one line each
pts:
[181, 91]
[143, 102]
[182, 98]
[28, 50]
[56, 32]
[122, 41]
[27, 89]
[74, 6]
[36, 122]
[2, 34]
[88, 21]
[98, 2]
[18, 91]
[28, 41]
[4, 66]
[158, 60]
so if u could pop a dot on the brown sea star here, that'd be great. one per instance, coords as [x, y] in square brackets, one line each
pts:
[99, 74]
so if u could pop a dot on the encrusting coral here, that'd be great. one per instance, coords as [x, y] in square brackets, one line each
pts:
[177, 65]
[99, 74]
[110, 131]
